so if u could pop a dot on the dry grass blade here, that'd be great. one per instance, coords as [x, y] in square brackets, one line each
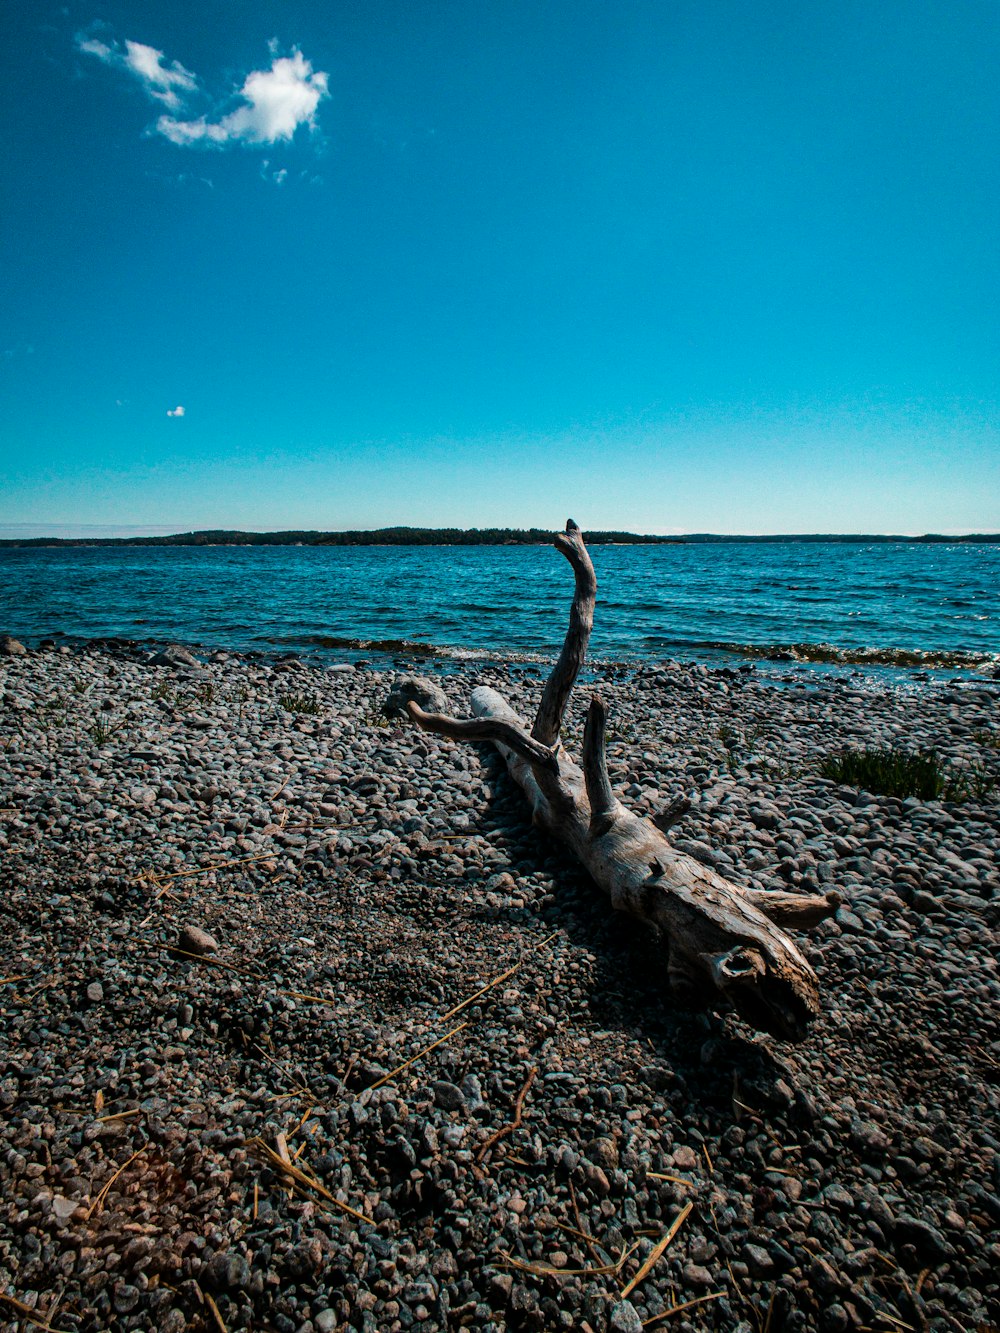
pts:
[98, 1203]
[118, 1115]
[214, 1309]
[495, 982]
[657, 1251]
[675, 1180]
[9, 981]
[593, 1245]
[305, 1116]
[29, 1315]
[482, 991]
[591, 1242]
[299, 1085]
[550, 1270]
[684, 1305]
[214, 962]
[301, 995]
[304, 1178]
[222, 865]
[387, 1078]
[504, 1130]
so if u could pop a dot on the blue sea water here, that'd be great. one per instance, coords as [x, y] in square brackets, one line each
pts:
[890, 604]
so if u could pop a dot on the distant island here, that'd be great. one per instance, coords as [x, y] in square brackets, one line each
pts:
[403, 536]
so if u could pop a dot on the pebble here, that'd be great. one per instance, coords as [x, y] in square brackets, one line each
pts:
[193, 939]
[366, 879]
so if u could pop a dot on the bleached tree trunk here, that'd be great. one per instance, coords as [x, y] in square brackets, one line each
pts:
[724, 942]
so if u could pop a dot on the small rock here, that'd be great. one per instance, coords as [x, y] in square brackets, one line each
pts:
[174, 655]
[10, 647]
[418, 689]
[448, 1096]
[758, 1260]
[605, 1153]
[624, 1318]
[63, 1208]
[193, 939]
[95, 992]
[229, 1270]
[925, 1239]
[685, 1158]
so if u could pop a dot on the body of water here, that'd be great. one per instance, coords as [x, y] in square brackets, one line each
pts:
[891, 605]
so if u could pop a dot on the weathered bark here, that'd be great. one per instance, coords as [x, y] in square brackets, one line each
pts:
[723, 942]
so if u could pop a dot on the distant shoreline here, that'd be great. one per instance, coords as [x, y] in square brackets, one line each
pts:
[405, 536]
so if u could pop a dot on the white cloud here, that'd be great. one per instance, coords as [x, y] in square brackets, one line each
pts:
[269, 106]
[275, 102]
[166, 83]
[175, 411]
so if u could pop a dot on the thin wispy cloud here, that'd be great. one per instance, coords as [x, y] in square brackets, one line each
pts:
[169, 83]
[267, 108]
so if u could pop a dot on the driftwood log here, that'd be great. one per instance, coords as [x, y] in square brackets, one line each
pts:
[724, 943]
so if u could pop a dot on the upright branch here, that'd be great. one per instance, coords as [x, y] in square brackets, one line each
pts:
[722, 943]
[555, 696]
[604, 805]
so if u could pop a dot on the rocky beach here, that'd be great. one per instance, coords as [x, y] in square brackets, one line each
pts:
[304, 1027]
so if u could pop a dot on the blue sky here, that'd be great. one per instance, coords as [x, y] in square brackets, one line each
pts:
[668, 266]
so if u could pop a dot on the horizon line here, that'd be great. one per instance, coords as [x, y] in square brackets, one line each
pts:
[127, 531]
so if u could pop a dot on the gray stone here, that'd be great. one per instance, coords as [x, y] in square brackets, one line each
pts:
[63, 1208]
[624, 1318]
[418, 689]
[928, 1242]
[229, 1270]
[174, 655]
[10, 647]
[95, 992]
[758, 1260]
[447, 1096]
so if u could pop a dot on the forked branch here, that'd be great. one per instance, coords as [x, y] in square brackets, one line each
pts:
[723, 943]
[487, 729]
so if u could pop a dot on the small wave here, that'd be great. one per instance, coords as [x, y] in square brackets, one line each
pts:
[929, 659]
[404, 648]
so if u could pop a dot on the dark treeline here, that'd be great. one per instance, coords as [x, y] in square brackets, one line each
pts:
[403, 536]
[399, 536]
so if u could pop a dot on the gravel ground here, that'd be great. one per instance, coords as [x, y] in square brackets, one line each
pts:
[360, 881]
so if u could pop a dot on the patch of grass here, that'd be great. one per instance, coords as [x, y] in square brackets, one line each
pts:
[102, 729]
[161, 690]
[989, 739]
[902, 773]
[740, 745]
[300, 703]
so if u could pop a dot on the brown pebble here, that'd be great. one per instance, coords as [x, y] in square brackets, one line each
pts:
[194, 940]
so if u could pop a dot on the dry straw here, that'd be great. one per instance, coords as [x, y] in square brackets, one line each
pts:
[657, 1251]
[303, 1177]
[387, 1078]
